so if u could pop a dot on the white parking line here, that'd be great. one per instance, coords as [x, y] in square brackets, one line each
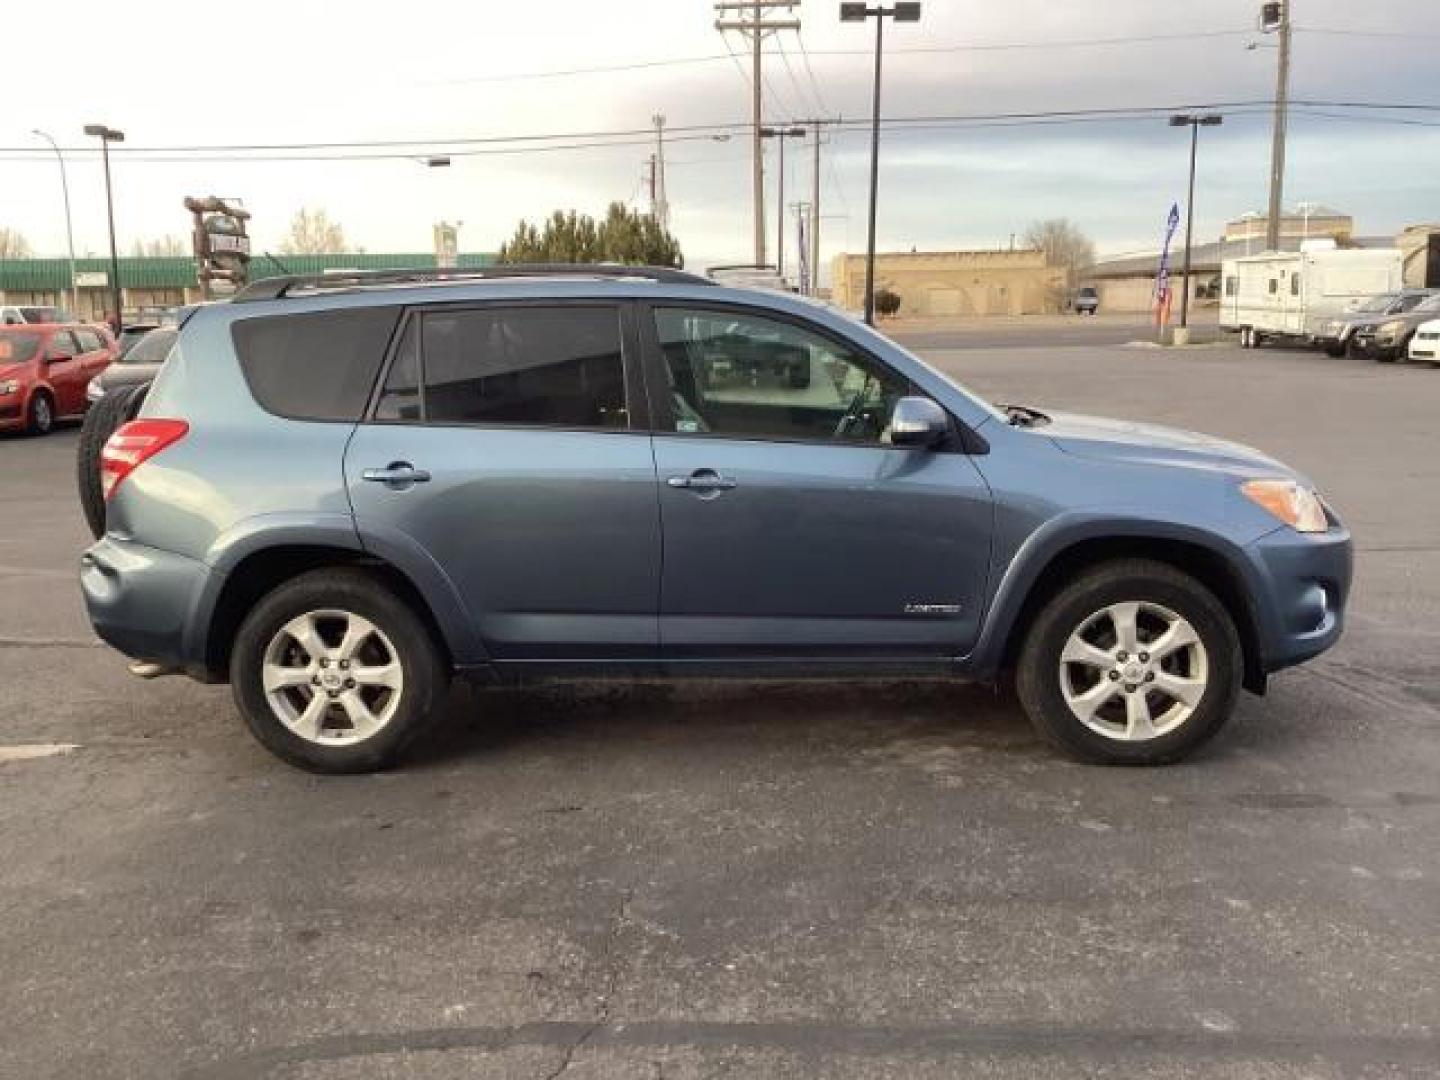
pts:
[31, 751]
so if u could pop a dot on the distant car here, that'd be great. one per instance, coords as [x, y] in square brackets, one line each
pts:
[1086, 301]
[44, 370]
[29, 314]
[1425, 344]
[137, 366]
[1335, 336]
[1387, 340]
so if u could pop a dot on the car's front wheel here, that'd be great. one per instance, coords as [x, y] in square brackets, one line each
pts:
[335, 673]
[1134, 663]
[41, 420]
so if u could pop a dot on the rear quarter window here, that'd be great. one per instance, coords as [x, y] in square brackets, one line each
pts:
[316, 365]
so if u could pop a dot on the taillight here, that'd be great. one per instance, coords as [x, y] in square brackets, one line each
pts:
[132, 445]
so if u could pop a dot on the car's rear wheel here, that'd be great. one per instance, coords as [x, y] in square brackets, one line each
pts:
[41, 420]
[114, 409]
[1135, 663]
[335, 673]
[1337, 350]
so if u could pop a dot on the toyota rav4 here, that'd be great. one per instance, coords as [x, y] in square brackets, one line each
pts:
[341, 491]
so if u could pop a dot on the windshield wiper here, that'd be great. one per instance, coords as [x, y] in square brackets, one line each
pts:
[1024, 416]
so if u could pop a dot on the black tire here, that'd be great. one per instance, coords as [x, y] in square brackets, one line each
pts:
[1038, 678]
[1337, 351]
[426, 677]
[366, 595]
[101, 421]
[40, 416]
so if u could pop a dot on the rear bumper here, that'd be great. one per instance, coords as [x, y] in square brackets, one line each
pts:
[1301, 583]
[141, 601]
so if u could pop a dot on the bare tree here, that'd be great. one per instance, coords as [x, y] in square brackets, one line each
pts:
[168, 245]
[1065, 246]
[13, 244]
[312, 232]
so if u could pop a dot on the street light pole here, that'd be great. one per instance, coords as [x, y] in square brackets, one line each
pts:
[107, 135]
[1194, 123]
[859, 12]
[69, 230]
[781, 134]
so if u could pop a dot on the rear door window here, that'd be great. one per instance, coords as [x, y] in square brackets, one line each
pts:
[316, 365]
[62, 344]
[523, 366]
[89, 341]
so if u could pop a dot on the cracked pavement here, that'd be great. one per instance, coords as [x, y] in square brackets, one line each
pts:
[735, 880]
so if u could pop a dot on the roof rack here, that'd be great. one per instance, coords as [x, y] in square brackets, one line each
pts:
[277, 288]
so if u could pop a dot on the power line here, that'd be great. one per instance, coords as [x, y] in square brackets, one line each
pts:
[559, 141]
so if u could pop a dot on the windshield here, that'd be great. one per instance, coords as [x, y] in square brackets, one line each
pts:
[153, 348]
[1377, 303]
[19, 346]
[1430, 303]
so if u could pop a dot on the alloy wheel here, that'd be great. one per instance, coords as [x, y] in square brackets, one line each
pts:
[332, 677]
[1133, 671]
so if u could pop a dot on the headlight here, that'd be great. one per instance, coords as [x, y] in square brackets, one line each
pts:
[1391, 328]
[1294, 504]
[8, 387]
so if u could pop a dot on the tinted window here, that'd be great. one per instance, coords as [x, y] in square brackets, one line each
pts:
[89, 341]
[1408, 302]
[61, 344]
[18, 346]
[401, 399]
[1232, 285]
[316, 366]
[549, 367]
[153, 348]
[748, 376]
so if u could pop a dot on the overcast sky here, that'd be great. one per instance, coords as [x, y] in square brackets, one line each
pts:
[310, 72]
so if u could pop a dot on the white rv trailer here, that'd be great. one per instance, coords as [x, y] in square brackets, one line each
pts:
[1292, 294]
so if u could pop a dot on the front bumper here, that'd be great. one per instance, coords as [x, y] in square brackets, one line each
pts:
[1300, 584]
[141, 601]
[1378, 348]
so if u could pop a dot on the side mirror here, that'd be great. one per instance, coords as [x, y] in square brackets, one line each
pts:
[918, 421]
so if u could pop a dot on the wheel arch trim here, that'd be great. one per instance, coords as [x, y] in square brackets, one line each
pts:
[1094, 538]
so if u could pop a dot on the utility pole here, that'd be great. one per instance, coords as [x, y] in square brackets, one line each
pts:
[815, 216]
[1275, 18]
[756, 28]
[659, 202]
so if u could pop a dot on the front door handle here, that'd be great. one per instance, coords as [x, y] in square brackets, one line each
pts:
[398, 474]
[703, 480]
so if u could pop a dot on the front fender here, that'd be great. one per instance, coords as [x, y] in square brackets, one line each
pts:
[1061, 534]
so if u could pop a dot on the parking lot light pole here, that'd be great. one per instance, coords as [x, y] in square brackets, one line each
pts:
[107, 135]
[780, 135]
[1194, 122]
[69, 230]
[859, 12]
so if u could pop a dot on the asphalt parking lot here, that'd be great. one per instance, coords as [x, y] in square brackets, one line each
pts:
[755, 881]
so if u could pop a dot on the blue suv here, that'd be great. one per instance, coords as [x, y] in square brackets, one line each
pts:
[341, 491]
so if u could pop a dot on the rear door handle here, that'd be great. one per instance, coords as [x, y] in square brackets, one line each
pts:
[396, 474]
[702, 480]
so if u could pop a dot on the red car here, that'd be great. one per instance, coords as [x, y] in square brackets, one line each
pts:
[44, 370]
